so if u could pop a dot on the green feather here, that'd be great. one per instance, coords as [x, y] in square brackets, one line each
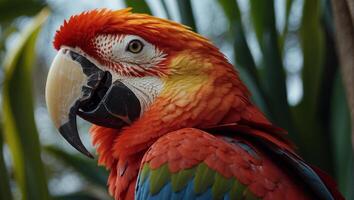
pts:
[248, 195]
[221, 186]
[204, 178]
[180, 179]
[237, 190]
[158, 178]
[144, 173]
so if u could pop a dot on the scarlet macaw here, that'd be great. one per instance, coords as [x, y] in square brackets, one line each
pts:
[172, 118]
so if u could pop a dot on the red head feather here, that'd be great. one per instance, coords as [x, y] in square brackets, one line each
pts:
[171, 37]
[80, 30]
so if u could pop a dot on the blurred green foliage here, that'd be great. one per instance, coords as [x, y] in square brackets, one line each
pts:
[319, 124]
[89, 170]
[5, 192]
[19, 126]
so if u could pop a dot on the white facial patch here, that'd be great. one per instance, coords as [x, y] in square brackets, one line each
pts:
[145, 88]
[115, 48]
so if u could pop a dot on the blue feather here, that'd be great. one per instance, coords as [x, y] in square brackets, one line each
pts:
[187, 193]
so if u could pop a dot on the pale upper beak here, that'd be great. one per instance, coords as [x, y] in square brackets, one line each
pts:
[76, 86]
[64, 82]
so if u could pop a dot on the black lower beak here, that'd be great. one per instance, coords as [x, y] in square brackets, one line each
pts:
[70, 133]
[117, 108]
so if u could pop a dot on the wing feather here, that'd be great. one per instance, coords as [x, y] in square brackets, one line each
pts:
[193, 164]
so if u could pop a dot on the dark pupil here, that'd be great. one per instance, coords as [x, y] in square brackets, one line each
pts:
[135, 46]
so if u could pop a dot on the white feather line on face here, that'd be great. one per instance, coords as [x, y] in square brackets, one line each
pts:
[114, 48]
[145, 88]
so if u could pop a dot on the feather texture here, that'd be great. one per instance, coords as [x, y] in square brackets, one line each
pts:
[201, 183]
[213, 167]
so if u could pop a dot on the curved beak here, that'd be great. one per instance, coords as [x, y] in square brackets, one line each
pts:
[75, 86]
[63, 88]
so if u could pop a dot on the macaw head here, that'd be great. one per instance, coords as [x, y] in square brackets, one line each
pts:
[116, 69]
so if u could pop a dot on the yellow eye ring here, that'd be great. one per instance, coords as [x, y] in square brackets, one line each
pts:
[135, 46]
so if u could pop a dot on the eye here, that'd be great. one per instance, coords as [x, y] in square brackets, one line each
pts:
[135, 46]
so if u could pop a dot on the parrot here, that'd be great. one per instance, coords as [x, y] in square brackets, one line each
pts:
[171, 116]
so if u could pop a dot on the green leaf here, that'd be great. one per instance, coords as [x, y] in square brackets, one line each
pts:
[139, 6]
[5, 192]
[311, 132]
[289, 4]
[282, 38]
[231, 11]
[19, 126]
[261, 17]
[186, 13]
[22, 7]
[312, 43]
[273, 74]
[341, 140]
[242, 52]
[87, 168]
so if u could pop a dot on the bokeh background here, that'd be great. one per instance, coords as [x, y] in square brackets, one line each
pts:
[284, 50]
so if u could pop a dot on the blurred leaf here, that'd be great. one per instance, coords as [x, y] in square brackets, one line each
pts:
[312, 43]
[87, 168]
[76, 196]
[327, 15]
[186, 13]
[289, 4]
[139, 6]
[243, 56]
[260, 17]
[166, 9]
[311, 132]
[10, 9]
[242, 51]
[282, 38]
[5, 192]
[273, 75]
[19, 126]
[341, 140]
[7, 31]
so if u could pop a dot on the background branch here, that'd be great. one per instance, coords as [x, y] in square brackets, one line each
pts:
[343, 11]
